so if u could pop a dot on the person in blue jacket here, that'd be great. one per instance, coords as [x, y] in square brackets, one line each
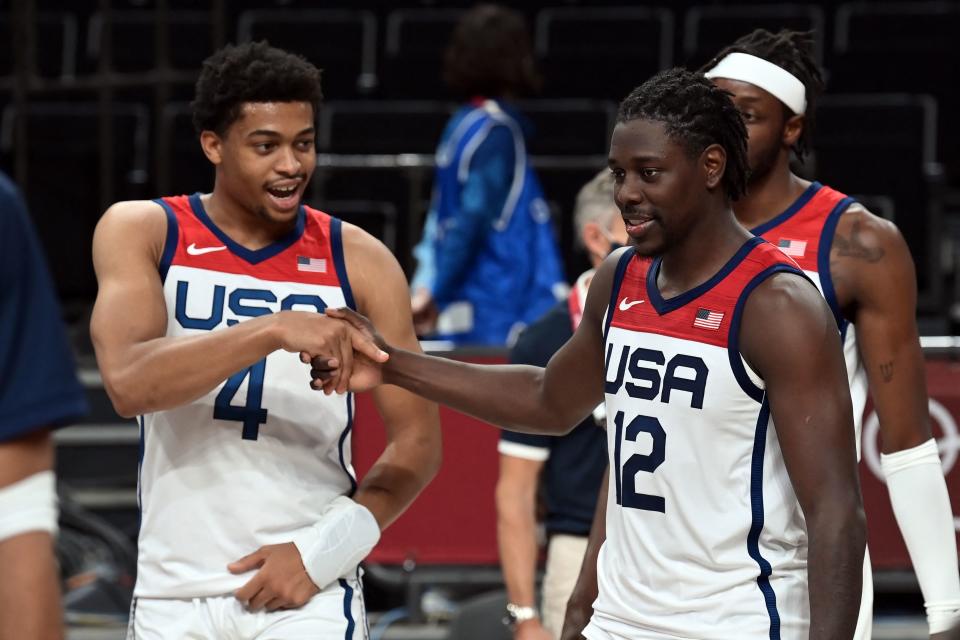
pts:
[488, 262]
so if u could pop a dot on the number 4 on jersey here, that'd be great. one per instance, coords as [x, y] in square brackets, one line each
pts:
[252, 415]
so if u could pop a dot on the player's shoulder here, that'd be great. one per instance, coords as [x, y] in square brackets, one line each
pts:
[860, 229]
[132, 222]
[376, 278]
[785, 300]
[362, 244]
[787, 310]
[131, 212]
[866, 250]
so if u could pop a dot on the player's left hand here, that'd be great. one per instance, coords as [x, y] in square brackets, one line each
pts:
[280, 583]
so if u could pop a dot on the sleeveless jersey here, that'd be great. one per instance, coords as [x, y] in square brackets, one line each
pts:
[805, 233]
[705, 536]
[260, 455]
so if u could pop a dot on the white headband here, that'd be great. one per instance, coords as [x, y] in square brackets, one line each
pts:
[773, 79]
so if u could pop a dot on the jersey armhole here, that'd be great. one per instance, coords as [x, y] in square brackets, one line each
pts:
[339, 263]
[748, 379]
[823, 258]
[172, 238]
[622, 265]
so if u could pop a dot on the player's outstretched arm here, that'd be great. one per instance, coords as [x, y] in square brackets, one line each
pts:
[871, 260]
[145, 371]
[580, 604]
[549, 400]
[789, 337]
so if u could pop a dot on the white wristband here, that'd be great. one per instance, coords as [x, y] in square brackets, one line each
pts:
[942, 616]
[918, 494]
[29, 505]
[334, 546]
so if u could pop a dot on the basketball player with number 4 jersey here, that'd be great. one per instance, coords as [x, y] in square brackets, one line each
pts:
[734, 508]
[252, 520]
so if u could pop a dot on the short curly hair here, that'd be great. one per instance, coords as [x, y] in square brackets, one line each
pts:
[696, 114]
[489, 54]
[251, 72]
[790, 50]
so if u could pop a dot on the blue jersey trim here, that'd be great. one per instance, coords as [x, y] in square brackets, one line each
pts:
[142, 449]
[622, 264]
[343, 440]
[664, 307]
[788, 213]
[756, 525]
[618, 275]
[823, 258]
[170, 244]
[253, 257]
[336, 246]
[347, 608]
[733, 337]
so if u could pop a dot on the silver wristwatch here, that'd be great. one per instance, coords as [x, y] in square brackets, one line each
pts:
[517, 613]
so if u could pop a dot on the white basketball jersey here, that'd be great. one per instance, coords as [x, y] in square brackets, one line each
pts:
[805, 233]
[705, 537]
[260, 455]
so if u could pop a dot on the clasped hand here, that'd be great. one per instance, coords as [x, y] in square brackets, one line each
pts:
[359, 370]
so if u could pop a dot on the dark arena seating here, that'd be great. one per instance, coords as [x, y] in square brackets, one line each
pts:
[95, 108]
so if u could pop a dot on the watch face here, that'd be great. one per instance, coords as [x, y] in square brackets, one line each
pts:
[516, 614]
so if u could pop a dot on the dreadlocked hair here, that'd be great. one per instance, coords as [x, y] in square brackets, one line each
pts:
[251, 72]
[790, 50]
[696, 114]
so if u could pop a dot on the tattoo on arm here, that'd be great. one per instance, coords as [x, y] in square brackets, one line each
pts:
[886, 370]
[853, 246]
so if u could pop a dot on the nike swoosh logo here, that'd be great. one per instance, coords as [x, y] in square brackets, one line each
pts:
[625, 306]
[194, 251]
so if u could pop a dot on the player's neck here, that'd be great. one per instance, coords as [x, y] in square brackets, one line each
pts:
[770, 195]
[245, 227]
[702, 253]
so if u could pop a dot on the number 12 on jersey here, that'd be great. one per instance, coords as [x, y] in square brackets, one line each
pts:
[252, 415]
[626, 476]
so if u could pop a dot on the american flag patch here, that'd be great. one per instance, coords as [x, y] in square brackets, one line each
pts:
[795, 248]
[315, 265]
[706, 319]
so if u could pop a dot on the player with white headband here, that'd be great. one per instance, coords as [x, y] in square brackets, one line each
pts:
[864, 269]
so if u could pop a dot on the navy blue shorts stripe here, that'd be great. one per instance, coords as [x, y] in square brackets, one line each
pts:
[348, 609]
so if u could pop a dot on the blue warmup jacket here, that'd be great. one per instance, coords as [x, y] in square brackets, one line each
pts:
[495, 262]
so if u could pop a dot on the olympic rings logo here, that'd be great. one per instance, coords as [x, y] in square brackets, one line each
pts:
[948, 444]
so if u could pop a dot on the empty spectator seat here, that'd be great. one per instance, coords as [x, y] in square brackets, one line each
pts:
[601, 52]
